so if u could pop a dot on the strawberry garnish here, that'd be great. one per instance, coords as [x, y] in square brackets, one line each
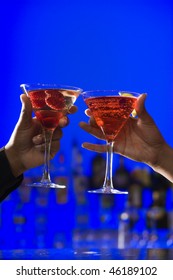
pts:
[37, 98]
[55, 99]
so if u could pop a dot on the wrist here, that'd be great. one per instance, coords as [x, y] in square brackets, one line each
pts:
[164, 164]
[14, 161]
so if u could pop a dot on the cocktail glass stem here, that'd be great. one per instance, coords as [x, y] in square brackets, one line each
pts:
[46, 171]
[108, 184]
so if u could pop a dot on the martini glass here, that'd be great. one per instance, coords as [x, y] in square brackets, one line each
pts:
[111, 110]
[50, 103]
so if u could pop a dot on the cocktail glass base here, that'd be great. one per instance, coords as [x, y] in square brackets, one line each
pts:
[107, 191]
[46, 185]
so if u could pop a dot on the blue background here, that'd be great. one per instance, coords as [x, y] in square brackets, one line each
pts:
[91, 44]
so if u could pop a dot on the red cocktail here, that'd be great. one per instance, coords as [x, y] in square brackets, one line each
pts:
[50, 103]
[111, 113]
[110, 109]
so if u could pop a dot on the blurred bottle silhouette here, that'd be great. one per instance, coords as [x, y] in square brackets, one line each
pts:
[61, 172]
[123, 231]
[80, 181]
[121, 176]
[20, 226]
[159, 182]
[140, 180]
[121, 181]
[77, 159]
[98, 165]
[80, 185]
[157, 217]
[8, 206]
[41, 221]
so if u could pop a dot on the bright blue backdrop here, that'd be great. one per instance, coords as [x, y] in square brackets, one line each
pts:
[92, 44]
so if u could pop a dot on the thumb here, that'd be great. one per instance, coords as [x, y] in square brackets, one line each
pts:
[140, 104]
[141, 110]
[25, 117]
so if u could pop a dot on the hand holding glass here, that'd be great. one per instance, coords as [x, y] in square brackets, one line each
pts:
[111, 110]
[50, 103]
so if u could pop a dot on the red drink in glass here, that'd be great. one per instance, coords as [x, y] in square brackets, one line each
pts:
[111, 112]
[49, 105]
